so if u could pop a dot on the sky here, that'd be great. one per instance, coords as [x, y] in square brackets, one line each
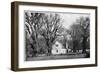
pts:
[70, 18]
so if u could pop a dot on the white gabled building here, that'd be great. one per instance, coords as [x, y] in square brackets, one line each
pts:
[57, 48]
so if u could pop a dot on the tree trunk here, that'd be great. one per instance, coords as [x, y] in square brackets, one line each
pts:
[84, 44]
[48, 43]
[36, 40]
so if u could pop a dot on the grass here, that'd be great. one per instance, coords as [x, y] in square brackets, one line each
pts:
[55, 57]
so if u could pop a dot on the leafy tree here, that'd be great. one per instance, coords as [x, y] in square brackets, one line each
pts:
[76, 36]
[80, 33]
[85, 24]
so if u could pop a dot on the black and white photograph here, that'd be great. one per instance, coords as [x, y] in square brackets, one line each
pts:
[54, 35]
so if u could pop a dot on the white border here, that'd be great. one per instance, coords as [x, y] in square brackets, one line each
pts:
[24, 64]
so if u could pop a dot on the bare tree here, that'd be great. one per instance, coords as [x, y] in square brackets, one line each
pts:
[33, 23]
[46, 25]
[50, 29]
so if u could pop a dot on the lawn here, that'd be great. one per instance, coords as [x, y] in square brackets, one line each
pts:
[54, 57]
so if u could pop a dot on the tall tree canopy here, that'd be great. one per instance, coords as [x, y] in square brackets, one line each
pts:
[80, 32]
[51, 27]
[48, 25]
